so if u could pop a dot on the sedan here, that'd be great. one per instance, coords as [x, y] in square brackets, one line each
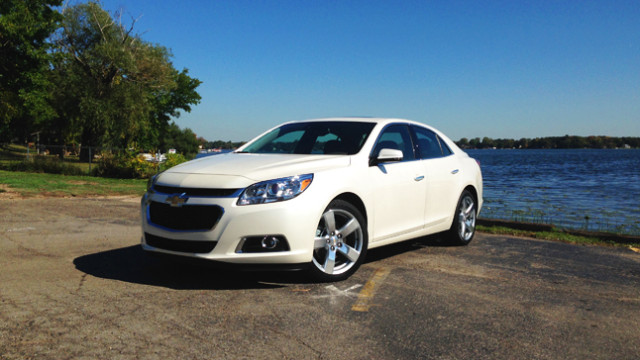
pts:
[315, 195]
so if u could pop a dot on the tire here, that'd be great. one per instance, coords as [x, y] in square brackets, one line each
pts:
[340, 243]
[463, 227]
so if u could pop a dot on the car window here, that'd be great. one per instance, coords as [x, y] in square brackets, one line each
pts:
[446, 151]
[326, 144]
[281, 141]
[395, 137]
[323, 138]
[427, 143]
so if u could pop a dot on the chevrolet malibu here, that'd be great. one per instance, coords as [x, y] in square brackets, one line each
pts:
[315, 195]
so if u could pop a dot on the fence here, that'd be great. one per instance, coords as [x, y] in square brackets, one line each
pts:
[83, 156]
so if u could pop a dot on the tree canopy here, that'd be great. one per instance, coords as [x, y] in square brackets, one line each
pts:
[25, 26]
[103, 85]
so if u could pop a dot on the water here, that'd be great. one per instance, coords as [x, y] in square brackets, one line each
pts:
[597, 190]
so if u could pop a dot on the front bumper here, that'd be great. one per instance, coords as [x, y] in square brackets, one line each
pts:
[293, 219]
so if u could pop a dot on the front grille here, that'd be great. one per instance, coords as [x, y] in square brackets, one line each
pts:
[188, 246]
[195, 191]
[186, 217]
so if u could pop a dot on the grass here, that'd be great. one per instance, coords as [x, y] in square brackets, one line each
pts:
[564, 236]
[36, 184]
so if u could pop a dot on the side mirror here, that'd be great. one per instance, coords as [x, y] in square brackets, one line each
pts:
[387, 155]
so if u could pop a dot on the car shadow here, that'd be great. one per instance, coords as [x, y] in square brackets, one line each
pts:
[132, 264]
[388, 251]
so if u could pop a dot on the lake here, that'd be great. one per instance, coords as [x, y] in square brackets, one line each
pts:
[590, 189]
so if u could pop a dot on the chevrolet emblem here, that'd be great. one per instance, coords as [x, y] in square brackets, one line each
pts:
[177, 200]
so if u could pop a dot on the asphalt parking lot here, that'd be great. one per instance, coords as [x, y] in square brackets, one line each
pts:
[75, 285]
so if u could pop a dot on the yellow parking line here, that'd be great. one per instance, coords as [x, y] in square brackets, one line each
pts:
[363, 303]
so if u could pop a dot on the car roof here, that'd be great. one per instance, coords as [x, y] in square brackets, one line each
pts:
[376, 120]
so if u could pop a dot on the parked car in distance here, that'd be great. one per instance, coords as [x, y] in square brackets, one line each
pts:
[315, 195]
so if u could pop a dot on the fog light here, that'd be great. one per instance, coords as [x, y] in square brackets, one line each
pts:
[263, 243]
[269, 242]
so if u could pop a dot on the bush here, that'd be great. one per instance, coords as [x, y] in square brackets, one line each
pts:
[45, 164]
[173, 160]
[124, 166]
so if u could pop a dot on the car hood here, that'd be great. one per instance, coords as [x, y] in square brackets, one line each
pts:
[239, 170]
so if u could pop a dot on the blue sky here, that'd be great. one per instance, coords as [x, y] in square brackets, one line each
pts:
[502, 69]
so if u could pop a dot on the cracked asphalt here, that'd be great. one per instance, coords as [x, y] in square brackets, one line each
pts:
[74, 284]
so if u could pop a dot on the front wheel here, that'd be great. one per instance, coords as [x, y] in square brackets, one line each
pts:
[464, 220]
[340, 242]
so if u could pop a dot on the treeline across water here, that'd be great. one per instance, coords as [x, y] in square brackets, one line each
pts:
[554, 142]
[221, 144]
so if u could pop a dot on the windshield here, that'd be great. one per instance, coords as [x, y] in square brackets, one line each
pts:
[324, 138]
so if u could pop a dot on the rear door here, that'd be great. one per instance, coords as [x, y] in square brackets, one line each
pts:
[441, 178]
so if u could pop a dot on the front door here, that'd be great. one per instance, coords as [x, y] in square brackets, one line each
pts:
[397, 188]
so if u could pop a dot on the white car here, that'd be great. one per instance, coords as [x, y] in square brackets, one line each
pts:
[315, 194]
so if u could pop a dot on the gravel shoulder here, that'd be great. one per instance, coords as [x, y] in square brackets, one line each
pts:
[76, 285]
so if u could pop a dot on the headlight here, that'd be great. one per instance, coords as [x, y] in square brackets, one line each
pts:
[275, 190]
[152, 181]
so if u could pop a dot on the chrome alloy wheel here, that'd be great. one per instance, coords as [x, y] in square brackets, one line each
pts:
[466, 218]
[338, 242]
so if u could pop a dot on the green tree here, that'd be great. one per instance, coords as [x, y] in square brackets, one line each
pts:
[221, 144]
[183, 140]
[463, 143]
[523, 143]
[487, 142]
[505, 143]
[474, 143]
[167, 103]
[115, 90]
[24, 84]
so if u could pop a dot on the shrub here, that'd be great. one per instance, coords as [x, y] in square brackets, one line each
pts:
[124, 166]
[173, 160]
[45, 164]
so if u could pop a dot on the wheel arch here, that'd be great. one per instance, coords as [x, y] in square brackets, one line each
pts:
[473, 191]
[356, 201]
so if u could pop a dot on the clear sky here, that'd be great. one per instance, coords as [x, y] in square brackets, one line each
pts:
[502, 69]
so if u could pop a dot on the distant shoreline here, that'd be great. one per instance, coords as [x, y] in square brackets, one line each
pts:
[553, 142]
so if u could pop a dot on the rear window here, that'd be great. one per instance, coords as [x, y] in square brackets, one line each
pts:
[430, 145]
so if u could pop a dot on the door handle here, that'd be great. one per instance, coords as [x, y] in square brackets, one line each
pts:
[455, 171]
[418, 178]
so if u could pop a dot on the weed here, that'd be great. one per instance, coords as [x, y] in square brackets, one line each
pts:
[559, 235]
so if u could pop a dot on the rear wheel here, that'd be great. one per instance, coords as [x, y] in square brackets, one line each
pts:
[464, 220]
[340, 242]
